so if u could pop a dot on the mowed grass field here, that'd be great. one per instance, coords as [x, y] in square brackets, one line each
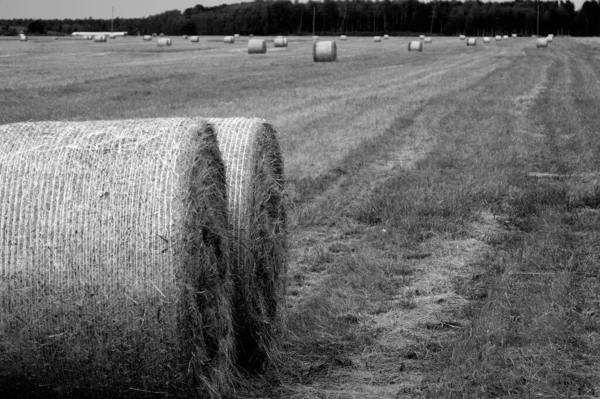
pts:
[443, 205]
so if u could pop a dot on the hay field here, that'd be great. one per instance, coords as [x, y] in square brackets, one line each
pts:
[443, 205]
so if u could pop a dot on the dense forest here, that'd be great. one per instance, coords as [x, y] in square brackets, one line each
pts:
[353, 17]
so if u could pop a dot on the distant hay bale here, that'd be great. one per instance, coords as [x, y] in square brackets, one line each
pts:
[325, 51]
[22, 38]
[377, 39]
[386, 37]
[185, 37]
[154, 35]
[498, 37]
[427, 40]
[194, 39]
[100, 38]
[514, 35]
[550, 38]
[229, 39]
[113, 36]
[541, 42]
[163, 42]
[462, 37]
[255, 186]
[162, 35]
[250, 35]
[415, 45]
[257, 46]
[472, 41]
[486, 39]
[505, 37]
[236, 35]
[280, 42]
[421, 37]
[343, 37]
[315, 37]
[119, 264]
[147, 38]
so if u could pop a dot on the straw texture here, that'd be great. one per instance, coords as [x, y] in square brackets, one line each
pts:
[113, 244]
[324, 51]
[257, 46]
[255, 184]
[415, 45]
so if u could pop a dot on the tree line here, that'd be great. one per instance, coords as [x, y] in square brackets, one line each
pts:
[351, 17]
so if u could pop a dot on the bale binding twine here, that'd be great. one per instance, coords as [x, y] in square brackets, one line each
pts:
[114, 262]
[325, 51]
[255, 184]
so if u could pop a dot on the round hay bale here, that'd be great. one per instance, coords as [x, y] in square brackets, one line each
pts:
[147, 38]
[280, 42]
[343, 37]
[415, 45]
[421, 37]
[514, 35]
[229, 39]
[462, 37]
[324, 51]
[315, 38]
[427, 40]
[486, 39]
[255, 186]
[163, 42]
[100, 38]
[121, 256]
[154, 35]
[162, 35]
[377, 39]
[194, 39]
[541, 42]
[498, 37]
[113, 36]
[22, 38]
[505, 37]
[550, 38]
[257, 46]
[250, 35]
[236, 35]
[386, 37]
[185, 37]
[472, 41]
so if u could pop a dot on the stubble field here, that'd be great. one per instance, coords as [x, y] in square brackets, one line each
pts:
[443, 205]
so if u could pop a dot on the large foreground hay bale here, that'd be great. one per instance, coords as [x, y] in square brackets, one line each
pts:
[255, 184]
[114, 246]
[472, 41]
[163, 42]
[324, 51]
[194, 39]
[147, 38]
[541, 42]
[229, 39]
[100, 38]
[415, 45]
[280, 42]
[257, 46]
[377, 39]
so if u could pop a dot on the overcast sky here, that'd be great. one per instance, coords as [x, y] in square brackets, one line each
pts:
[61, 9]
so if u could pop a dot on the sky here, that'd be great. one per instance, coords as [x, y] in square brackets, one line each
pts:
[63, 9]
